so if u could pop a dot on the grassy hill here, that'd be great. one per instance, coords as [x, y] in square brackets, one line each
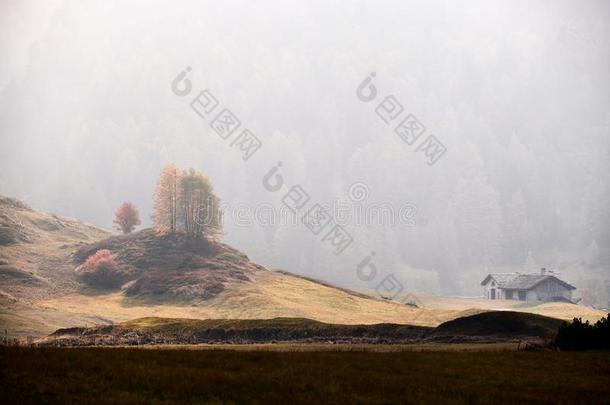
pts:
[172, 268]
[35, 252]
[496, 325]
[164, 277]
[167, 277]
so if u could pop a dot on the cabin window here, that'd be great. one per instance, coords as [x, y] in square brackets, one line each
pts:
[521, 295]
[509, 294]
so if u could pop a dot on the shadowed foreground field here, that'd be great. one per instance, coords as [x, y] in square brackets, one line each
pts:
[224, 376]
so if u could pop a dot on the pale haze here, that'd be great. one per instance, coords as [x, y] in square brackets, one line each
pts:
[518, 92]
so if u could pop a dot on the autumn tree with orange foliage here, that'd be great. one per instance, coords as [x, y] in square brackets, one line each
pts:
[127, 217]
[185, 202]
[165, 216]
[199, 208]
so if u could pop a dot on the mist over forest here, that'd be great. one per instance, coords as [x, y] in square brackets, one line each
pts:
[516, 92]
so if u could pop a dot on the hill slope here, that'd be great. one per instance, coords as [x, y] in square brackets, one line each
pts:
[461, 306]
[36, 252]
[163, 276]
[171, 268]
[167, 277]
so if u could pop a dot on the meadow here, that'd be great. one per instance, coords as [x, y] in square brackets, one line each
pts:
[347, 375]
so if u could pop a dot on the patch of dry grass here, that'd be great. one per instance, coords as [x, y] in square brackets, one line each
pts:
[228, 376]
[332, 347]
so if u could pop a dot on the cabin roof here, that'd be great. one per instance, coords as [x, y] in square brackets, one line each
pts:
[517, 281]
[500, 278]
[528, 281]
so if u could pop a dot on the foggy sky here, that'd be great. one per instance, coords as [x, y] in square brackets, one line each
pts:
[517, 92]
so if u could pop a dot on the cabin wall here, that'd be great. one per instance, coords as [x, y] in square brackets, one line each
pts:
[542, 292]
[547, 290]
[487, 290]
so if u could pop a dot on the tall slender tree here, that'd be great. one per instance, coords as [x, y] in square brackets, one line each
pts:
[199, 208]
[185, 202]
[165, 215]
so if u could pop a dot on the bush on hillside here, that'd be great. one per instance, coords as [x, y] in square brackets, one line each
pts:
[101, 270]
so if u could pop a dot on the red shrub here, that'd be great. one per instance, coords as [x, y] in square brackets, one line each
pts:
[101, 270]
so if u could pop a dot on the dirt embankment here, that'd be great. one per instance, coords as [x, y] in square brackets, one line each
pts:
[190, 331]
[481, 328]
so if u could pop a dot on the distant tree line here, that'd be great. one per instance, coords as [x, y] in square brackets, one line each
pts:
[580, 335]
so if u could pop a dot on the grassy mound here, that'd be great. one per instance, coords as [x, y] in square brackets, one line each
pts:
[496, 325]
[485, 327]
[178, 331]
[172, 267]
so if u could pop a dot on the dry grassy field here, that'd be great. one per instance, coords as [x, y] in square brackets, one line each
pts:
[111, 375]
[332, 347]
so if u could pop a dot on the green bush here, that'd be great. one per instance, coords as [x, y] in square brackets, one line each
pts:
[580, 335]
